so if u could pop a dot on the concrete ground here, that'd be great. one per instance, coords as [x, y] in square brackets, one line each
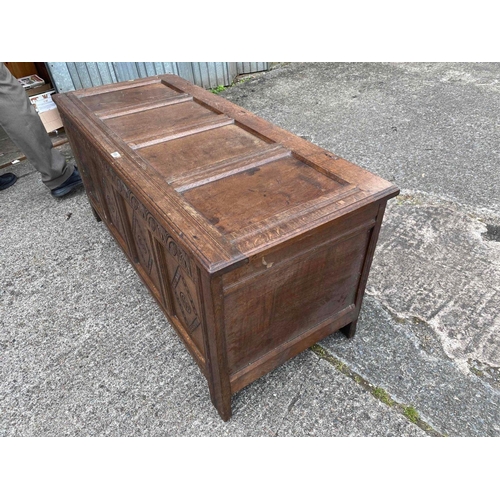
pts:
[85, 351]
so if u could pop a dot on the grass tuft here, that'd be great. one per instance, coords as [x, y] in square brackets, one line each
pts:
[382, 395]
[411, 414]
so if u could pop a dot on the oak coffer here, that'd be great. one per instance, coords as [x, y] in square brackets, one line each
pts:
[255, 243]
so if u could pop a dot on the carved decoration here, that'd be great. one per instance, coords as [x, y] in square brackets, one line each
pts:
[143, 249]
[185, 301]
[111, 203]
[173, 248]
[176, 252]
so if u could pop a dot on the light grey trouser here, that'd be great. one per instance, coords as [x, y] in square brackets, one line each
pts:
[23, 125]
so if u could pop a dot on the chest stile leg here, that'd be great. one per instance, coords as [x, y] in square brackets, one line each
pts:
[212, 303]
[350, 329]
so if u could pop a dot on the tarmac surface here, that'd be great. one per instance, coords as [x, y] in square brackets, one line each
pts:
[85, 350]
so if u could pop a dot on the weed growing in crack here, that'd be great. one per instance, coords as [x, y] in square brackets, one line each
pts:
[411, 414]
[218, 89]
[382, 395]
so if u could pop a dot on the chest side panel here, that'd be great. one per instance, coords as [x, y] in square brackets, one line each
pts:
[290, 291]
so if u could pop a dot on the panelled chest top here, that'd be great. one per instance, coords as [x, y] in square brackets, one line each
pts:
[227, 182]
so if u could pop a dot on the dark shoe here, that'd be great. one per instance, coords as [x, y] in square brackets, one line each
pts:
[7, 180]
[74, 181]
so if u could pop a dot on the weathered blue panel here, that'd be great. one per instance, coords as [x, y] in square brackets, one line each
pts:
[76, 75]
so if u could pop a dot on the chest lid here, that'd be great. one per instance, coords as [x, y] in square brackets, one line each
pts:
[229, 183]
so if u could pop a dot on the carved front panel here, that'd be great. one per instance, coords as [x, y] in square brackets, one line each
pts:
[142, 245]
[168, 266]
[140, 242]
[111, 204]
[184, 302]
[183, 293]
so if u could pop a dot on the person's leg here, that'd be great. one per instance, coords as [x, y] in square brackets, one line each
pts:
[23, 125]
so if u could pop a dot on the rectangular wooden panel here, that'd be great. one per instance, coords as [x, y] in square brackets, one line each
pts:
[142, 126]
[284, 185]
[286, 301]
[255, 243]
[124, 97]
[178, 159]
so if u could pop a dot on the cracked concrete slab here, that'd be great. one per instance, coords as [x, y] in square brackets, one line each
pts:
[434, 264]
[317, 411]
[405, 359]
[429, 329]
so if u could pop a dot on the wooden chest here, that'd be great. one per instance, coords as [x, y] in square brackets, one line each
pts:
[255, 243]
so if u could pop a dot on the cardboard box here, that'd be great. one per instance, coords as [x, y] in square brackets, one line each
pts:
[39, 90]
[51, 120]
[47, 110]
